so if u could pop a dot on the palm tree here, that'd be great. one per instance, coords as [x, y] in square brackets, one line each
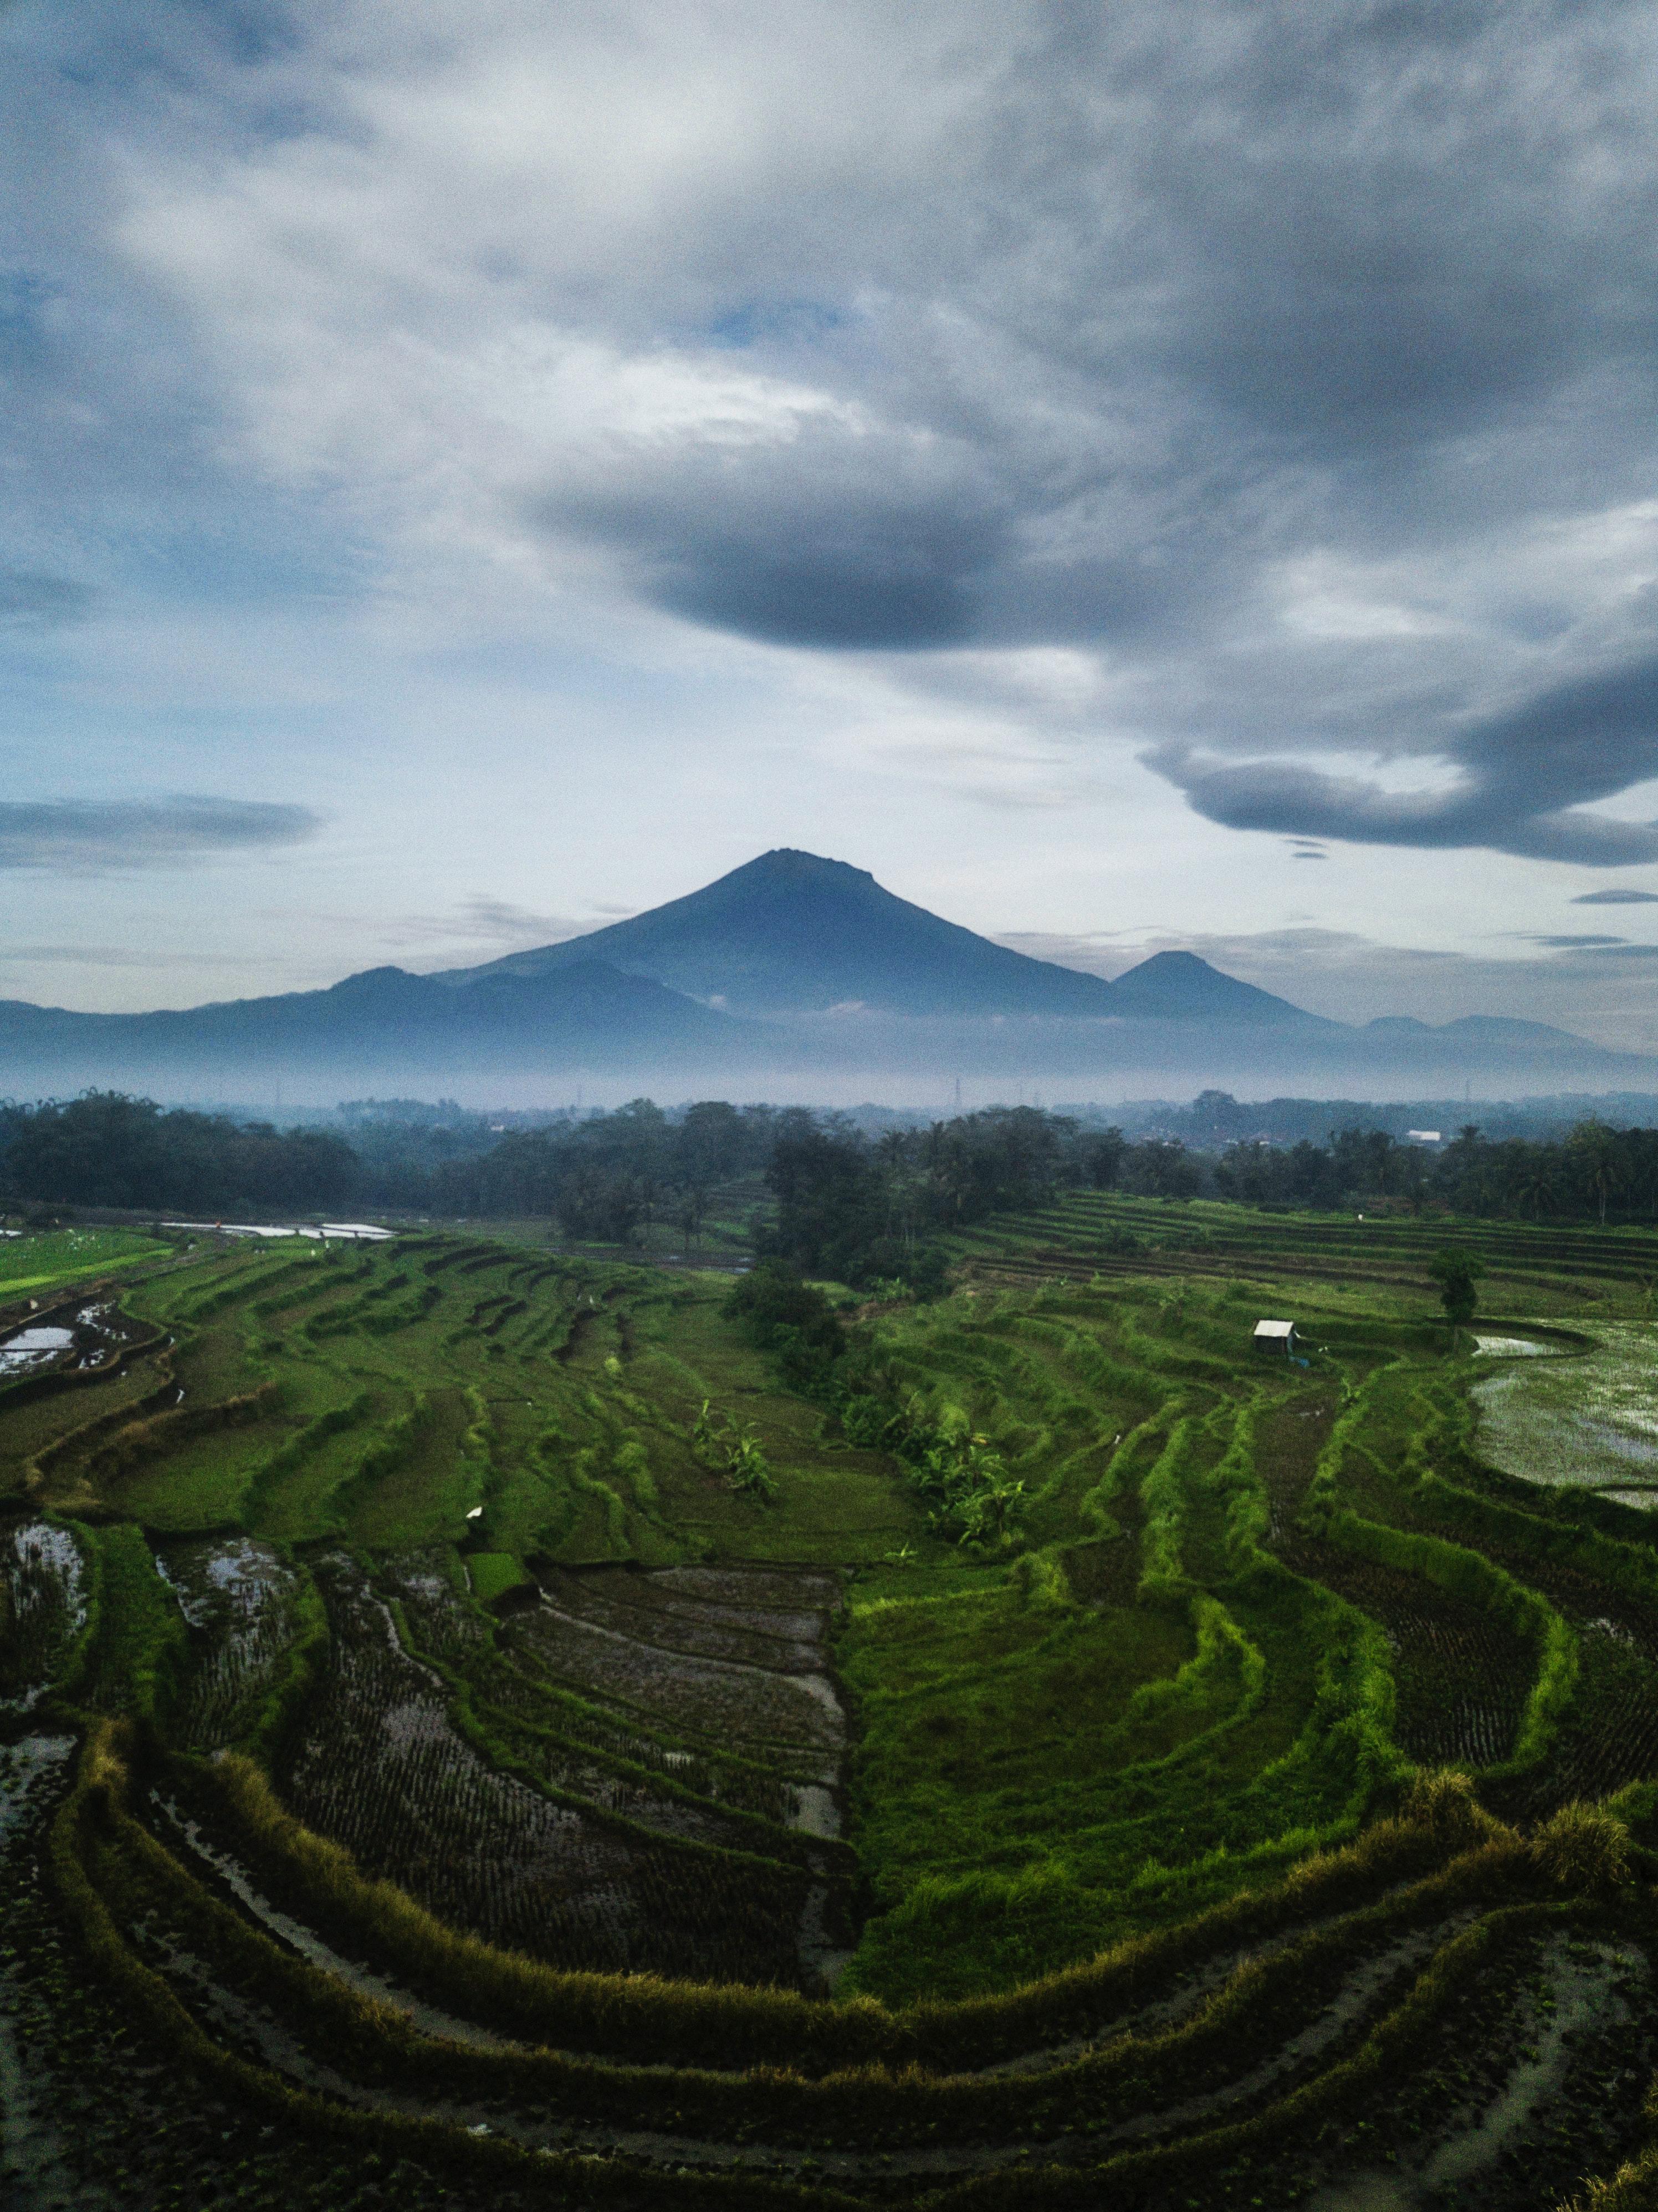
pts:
[1535, 1185]
[1594, 1149]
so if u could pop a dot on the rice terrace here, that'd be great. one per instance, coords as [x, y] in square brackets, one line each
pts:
[490, 1723]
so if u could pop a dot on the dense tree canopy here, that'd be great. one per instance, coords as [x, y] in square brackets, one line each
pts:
[1593, 1170]
[108, 1150]
[862, 1208]
[793, 1320]
[864, 1213]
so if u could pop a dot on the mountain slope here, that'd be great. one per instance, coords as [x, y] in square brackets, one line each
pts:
[383, 1020]
[792, 933]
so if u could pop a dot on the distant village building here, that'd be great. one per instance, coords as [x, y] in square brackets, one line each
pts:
[1421, 1136]
[1275, 1336]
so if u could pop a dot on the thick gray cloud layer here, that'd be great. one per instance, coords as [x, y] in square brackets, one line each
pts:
[1524, 774]
[1297, 364]
[168, 833]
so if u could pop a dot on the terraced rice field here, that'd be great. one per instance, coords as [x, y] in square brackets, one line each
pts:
[424, 1779]
[1534, 1267]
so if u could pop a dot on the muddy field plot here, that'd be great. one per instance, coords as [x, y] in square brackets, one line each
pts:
[42, 1607]
[668, 1611]
[569, 1744]
[1612, 1743]
[241, 1599]
[1462, 1679]
[1588, 1419]
[382, 1770]
[789, 1705]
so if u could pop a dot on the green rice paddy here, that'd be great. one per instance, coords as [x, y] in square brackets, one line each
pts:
[466, 1776]
[37, 1262]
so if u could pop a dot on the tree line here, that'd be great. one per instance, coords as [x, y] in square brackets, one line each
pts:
[860, 1209]
[1593, 1171]
[605, 1177]
[108, 1150]
[863, 1208]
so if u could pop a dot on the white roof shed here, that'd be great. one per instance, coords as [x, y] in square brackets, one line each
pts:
[1275, 1332]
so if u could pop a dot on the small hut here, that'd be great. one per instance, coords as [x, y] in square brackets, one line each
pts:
[1275, 1336]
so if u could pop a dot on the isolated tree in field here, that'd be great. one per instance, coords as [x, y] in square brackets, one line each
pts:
[1456, 1273]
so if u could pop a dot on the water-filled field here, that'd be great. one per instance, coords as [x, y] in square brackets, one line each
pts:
[435, 1769]
[1590, 1417]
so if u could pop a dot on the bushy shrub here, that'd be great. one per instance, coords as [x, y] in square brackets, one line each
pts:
[793, 1320]
[1442, 1801]
[733, 1448]
[972, 1497]
[1583, 1848]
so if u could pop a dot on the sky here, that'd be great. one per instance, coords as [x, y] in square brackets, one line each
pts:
[1164, 475]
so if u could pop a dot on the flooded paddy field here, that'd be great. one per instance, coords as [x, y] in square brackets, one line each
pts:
[74, 1338]
[1589, 1418]
[432, 1771]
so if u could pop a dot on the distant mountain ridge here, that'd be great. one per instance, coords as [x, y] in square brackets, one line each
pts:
[793, 933]
[383, 1020]
[792, 976]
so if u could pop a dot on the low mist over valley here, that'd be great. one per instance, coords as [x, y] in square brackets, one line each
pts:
[793, 977]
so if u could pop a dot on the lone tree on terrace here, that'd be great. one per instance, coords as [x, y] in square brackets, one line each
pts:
[1456, 1273]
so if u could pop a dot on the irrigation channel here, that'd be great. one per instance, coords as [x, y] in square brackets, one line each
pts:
[431, 1773]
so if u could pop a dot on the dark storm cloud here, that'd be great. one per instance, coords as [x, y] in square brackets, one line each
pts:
[1616, 898]
[1523, 774]
[1217, 290]
[1354, 228]
[1574, 944]
[74, 836]
[823, 541]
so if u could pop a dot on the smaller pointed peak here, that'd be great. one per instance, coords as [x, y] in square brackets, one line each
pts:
[1178, 986]
[368, 979]
[1169, 963]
